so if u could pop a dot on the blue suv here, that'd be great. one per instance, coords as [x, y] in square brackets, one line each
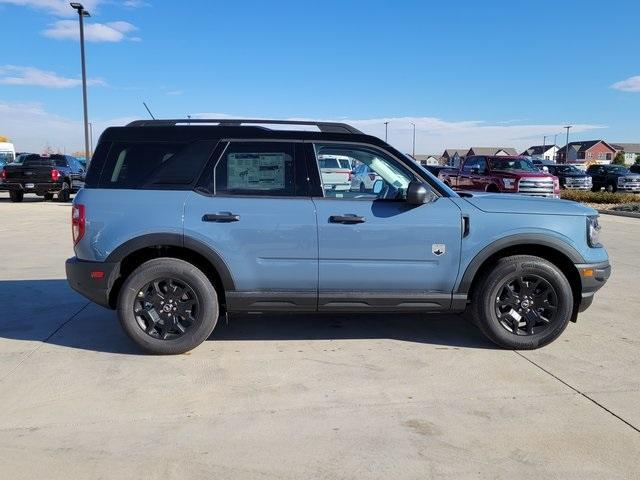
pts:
[182, 221]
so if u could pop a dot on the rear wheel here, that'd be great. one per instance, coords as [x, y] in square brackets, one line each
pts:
[48, 197]
[65, 194]
[168, 306]
[16, 195]
[524, 302]
[363, 189]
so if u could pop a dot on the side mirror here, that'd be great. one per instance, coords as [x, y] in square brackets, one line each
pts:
[417, 193]
[377, 186]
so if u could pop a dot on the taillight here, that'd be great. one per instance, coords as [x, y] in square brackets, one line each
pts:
[3, 175]
[350, 176]
[55, 175]
[78, 222]
[556, 185]
[372, 176]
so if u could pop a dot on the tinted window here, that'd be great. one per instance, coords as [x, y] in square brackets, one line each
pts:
[154, 164]
[37, 161]
[256, 168]
[469, 164]
[61, 162]
[329, 162]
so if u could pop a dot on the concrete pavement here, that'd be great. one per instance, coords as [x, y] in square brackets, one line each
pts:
[307, 396]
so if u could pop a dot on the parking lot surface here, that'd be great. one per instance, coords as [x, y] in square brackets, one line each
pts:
[310, 396]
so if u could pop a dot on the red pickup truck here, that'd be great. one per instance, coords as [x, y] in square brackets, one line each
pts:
[501, 174]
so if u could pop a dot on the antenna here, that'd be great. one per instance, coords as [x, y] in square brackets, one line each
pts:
[145, 106]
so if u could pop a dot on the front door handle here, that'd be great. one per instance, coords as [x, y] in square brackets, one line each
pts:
[220, 217]
[346, 219]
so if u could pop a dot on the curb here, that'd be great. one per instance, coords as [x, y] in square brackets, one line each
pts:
[620, 214]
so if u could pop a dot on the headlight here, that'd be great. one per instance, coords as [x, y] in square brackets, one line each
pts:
[593, 232]
[509, 183]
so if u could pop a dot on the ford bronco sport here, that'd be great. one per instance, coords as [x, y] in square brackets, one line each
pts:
[182, 221]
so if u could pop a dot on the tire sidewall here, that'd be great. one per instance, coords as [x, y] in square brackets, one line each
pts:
[179, 270]
[495, 281]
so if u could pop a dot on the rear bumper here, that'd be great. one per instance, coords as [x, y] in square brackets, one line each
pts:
[593, 276]
[79, 276]
[39, 188]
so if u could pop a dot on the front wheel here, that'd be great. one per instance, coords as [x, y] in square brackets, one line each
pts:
[524, 302]
[168, 306]
[611, 188]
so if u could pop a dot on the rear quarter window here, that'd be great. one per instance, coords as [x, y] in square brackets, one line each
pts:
[154, 165]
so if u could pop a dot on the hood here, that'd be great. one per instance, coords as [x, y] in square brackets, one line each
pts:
[514, 203]
[517, 174]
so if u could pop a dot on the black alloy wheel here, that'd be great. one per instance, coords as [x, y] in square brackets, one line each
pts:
[166, 308]
[526, 304]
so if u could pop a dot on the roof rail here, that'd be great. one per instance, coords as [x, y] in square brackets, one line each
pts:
[329, 127]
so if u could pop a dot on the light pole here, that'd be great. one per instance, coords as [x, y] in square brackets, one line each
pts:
[90, 140]
[414, 141]
[544, 144]
[81, 14]
[386, 126]
[566, 148]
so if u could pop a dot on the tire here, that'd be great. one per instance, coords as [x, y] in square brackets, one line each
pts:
[64, 195]
[48, 197]
[611, 188]
[487, 299]
[595, 189]
[181, 273]
[493, 189]
[16, 196]
[363, 189]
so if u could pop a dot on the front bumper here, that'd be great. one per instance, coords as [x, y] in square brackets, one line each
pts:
[593, 276]
[82, 277]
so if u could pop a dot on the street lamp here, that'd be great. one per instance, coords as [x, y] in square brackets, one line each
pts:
[566, 148]
[544, 144]
[414, 140]
[81, 14]
[386, 126]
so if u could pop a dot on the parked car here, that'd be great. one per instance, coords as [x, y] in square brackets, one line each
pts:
[501, 174]
[364, 177]
[44, 175]
[336, 172]
[178, 226]
[542, 165]
[436, 169]
[613, 178]
[571, 177]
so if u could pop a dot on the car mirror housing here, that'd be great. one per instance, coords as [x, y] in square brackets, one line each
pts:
[417, 193]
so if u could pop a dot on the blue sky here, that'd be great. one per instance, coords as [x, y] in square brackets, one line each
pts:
[467, 73]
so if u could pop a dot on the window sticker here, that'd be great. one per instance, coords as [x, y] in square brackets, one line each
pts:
[256, 171]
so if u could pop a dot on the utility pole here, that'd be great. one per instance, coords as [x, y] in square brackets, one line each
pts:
[566, 148]
[81, 14]
[414, 141]
[386, 125]
[544, 144]
[90, 140]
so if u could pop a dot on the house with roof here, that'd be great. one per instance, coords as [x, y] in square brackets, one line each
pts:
[428, 159]
[631, 151]
[542, 152]
[587, 151]
[453, 156]
[491, 151]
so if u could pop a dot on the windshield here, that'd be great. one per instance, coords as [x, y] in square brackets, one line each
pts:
[568, 169]
[618, 168]
[511, 164]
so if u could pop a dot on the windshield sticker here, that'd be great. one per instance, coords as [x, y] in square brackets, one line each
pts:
[256, 171]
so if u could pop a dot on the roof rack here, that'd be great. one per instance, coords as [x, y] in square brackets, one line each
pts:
[328, 127]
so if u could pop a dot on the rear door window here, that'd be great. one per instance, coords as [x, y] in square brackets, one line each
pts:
[151, 165]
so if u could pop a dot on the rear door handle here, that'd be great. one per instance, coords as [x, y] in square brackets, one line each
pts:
[220, 217]
[346, 219]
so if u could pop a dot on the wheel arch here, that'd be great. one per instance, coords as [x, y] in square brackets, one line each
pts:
[561, 254]
[136, 251]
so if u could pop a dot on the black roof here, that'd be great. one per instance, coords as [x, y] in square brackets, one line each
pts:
[212, 129]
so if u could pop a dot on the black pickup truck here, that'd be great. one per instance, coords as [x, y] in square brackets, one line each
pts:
[613, 178]
[44, 175]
